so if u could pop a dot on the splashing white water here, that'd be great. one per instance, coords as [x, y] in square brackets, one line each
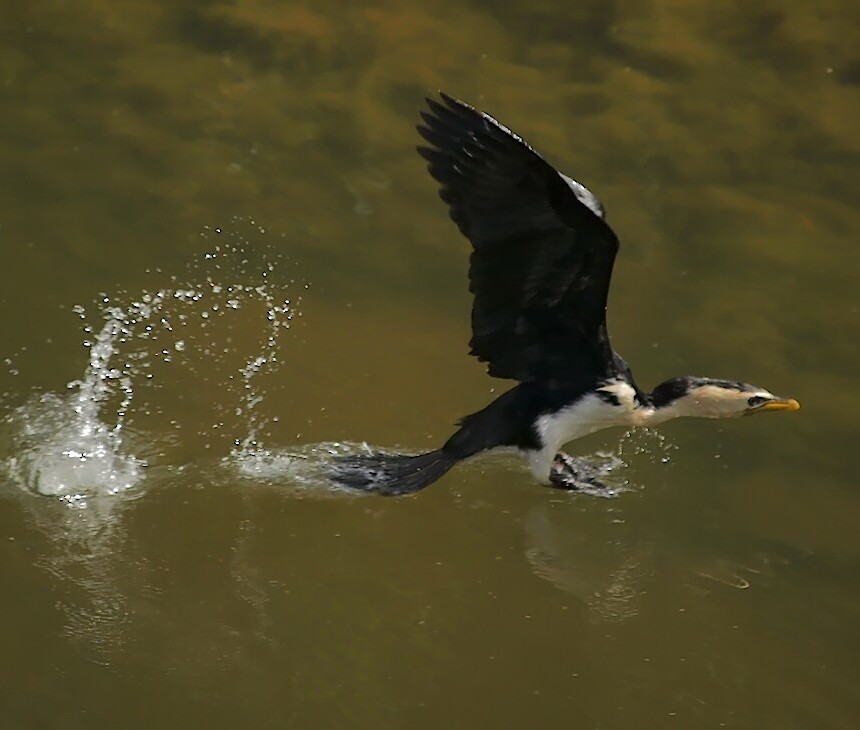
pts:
[61, 448]
[73, 446]
[278, 315]
[304, 469]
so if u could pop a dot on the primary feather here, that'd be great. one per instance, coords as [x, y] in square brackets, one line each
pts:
[542, 254]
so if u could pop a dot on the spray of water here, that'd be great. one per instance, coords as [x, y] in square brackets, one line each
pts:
[77, 445]
[647, 442]
[60, 445]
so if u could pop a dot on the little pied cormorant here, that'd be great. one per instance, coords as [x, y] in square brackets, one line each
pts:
[542, 256]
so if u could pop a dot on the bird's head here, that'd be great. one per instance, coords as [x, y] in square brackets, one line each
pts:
[710, 398]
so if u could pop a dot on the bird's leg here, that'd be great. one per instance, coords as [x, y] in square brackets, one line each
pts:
[575, 474]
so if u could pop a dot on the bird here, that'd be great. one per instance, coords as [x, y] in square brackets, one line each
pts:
[539, 273]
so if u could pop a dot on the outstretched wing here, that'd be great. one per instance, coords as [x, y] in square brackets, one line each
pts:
[542, 257]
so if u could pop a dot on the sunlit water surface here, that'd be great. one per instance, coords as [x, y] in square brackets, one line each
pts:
[226, 266]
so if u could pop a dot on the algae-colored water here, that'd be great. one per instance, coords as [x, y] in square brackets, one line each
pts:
[223, 260]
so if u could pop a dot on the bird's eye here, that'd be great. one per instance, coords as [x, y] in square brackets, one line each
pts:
[757, 400]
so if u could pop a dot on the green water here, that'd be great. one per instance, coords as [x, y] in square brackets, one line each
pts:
[719, 590]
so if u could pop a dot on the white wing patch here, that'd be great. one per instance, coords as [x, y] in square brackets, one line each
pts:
[585, 196]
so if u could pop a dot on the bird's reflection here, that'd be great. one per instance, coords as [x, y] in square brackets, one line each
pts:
[607, 578]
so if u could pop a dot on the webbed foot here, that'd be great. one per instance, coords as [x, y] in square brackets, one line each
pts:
[580, 475]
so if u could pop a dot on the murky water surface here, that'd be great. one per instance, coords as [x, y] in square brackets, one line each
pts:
[224, 263]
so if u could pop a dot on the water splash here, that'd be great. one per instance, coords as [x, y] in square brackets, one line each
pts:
[61, 449]
[76, 445]
[60, 445]
[304, 470]
[278, 315]
[648, 442]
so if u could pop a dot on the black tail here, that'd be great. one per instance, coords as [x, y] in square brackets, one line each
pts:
[391, 474]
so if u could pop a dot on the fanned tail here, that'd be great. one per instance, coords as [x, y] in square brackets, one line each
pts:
[391, 474]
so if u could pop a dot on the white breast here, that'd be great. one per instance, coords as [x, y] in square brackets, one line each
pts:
[589, 414]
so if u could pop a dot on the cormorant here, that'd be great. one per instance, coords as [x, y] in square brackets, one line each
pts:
[542, 256]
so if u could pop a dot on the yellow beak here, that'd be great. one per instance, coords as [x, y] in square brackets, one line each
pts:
[780, 404]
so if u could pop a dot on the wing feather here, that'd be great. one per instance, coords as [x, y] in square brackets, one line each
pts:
[542, 253]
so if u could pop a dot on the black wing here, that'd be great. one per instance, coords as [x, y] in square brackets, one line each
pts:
[542, 257]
